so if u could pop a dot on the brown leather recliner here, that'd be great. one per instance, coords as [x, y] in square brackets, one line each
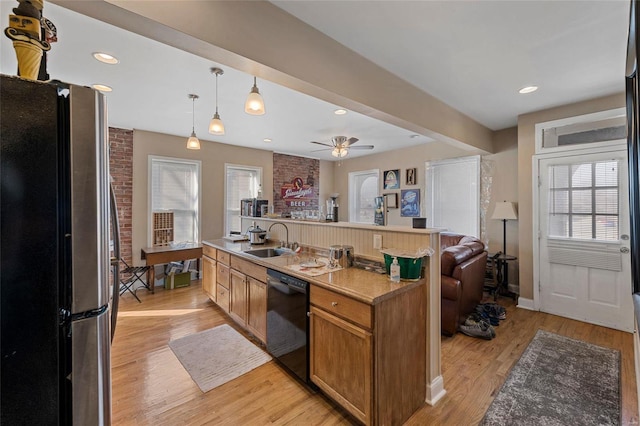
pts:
[463, 264]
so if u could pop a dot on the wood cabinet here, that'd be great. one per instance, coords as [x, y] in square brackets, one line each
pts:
[240, 290]
[370, 359]
[257, 309]
[223, 273]
[238, 297]
[341, 362]
[209, 277]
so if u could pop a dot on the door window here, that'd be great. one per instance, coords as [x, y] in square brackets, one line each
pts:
[583, 200]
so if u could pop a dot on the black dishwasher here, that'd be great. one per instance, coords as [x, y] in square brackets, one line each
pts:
[288, 323]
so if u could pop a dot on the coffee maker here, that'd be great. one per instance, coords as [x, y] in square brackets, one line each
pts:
[332, 208]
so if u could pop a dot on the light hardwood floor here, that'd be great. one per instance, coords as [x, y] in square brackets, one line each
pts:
[150, 386]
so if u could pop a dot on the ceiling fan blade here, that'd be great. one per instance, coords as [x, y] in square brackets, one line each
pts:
[320, 143]
[361, 147]
[350, 141]
[323, 149]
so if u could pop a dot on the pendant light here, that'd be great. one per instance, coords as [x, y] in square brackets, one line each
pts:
[255, 103]
[215, 125]
[193, 142]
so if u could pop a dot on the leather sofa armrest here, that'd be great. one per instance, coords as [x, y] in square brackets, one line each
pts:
[450, 288]
[453, 256]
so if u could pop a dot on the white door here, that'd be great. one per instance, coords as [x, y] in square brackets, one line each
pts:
[584, 261]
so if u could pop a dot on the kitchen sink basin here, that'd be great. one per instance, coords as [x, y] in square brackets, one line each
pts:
[265, 252]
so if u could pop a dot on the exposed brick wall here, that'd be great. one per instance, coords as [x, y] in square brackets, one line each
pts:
[288, 167]
[121, 170]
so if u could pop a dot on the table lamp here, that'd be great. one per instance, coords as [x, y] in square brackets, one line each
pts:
[505, 210]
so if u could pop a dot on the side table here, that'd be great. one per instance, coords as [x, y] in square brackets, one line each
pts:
[502, 265]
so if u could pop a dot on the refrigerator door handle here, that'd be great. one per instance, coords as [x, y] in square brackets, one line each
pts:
[113, 208]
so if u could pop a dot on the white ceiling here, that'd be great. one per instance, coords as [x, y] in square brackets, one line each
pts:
[472, 55]
[476, 55]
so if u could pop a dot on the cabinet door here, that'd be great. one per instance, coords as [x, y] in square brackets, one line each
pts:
[222, 275]
[257, 317]
[222, 297]
[341, 362]
[209, 277]
[238, 297]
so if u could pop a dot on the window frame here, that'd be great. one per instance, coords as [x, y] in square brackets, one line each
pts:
[354, 195]
[225, 210]
[198, 165]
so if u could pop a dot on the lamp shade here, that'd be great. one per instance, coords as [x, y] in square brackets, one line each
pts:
[505, 210]
[193, 142]
[254, 104]
[215, 125]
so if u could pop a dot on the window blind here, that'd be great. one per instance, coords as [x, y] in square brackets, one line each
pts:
[241, 182]
[452, 195]
[175, 187]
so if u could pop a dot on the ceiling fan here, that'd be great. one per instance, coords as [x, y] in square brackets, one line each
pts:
[341, 145]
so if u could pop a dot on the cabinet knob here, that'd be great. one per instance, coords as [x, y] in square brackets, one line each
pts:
[334, 304]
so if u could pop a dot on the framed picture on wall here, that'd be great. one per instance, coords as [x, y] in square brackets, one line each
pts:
[392, 200]
[411, 176]
[410, 203]
[391, 179]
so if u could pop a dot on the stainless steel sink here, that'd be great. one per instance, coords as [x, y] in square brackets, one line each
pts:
[265, 252]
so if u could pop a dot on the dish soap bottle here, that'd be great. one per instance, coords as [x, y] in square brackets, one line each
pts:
[395, 270]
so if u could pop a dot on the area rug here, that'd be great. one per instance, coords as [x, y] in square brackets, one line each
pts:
[216, 356]
[560, 381]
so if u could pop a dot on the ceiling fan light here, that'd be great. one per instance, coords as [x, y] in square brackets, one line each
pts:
[339, 152]
[254, 104]
[216, 127]
[193, 142]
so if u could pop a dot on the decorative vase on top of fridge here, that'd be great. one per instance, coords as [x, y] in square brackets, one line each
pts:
[56, 305]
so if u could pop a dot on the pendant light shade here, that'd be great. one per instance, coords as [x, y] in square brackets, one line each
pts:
[255, 103]
[193, 142]
[216, 127]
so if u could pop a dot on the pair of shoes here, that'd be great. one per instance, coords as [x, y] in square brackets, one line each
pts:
[474, 326]
[480, 311]
[494, 310]
[474, 317]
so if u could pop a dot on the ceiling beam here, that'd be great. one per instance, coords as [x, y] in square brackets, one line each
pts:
[259, 38]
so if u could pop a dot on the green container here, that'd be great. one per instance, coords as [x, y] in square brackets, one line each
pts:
[182, 279]
[410, 268]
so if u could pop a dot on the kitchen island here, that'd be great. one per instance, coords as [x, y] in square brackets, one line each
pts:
[368, 336]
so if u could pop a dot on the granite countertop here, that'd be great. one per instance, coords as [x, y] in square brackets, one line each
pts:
[365, 286]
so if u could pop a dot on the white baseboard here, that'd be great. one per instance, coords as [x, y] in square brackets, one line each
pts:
[435, 391]
[525, 304]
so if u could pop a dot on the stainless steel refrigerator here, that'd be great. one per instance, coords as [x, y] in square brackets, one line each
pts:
[56, 307]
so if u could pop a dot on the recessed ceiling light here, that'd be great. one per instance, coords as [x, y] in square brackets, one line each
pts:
[105, 58]
[528, 89]
[102, 87]
[267, 139]
[414, 136]
[340, 111]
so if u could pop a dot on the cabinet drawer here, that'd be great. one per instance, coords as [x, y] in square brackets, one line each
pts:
[222, 275]
[343, 306]
[224, 257]
[209, 251]
[249, 268]
[222, 297]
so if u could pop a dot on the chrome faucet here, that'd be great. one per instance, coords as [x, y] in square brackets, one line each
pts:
[285, 227]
